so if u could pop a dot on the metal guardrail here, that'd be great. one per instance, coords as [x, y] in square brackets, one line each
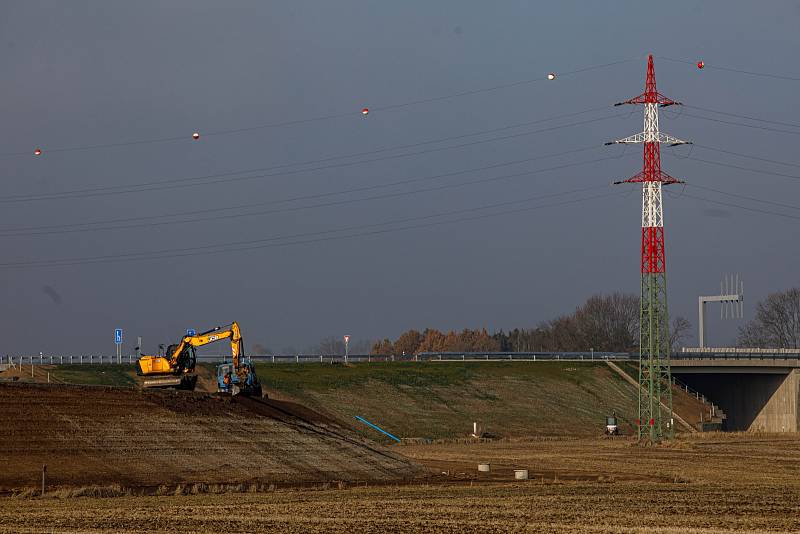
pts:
[42, 359]
[738, 355]
[525, 356]
[688, 389]
[739, 350]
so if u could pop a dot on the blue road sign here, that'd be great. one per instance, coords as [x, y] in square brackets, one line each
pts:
[118, 336]
[191, 332]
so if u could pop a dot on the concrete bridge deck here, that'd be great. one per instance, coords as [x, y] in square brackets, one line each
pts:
[759, 389]
[731, 365]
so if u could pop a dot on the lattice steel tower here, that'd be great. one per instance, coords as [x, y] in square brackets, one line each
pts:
[654, 371]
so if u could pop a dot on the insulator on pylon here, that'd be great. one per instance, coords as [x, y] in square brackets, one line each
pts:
[365, 111]
[551, 76]
[700, 64]
[196, 135]
[37, 152]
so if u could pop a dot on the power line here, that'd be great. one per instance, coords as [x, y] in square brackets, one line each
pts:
[739, 206]
[748, 117]
[497, 87]
[309, 237]
[325, 117]
[754, 126]
[745, 197]
[739, 71]
[739, 167]
[743, 155]
[178, 183]
[142, 222]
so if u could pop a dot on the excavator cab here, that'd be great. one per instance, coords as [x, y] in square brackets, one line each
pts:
[187, 357]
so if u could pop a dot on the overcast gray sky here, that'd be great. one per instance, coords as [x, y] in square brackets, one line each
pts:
[87, 73]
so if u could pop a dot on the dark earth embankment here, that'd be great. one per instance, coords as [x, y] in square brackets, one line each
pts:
[96, 435]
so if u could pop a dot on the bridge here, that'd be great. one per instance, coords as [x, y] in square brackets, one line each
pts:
[759, 389]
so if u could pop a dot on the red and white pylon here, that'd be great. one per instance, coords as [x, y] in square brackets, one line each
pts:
[654, 369]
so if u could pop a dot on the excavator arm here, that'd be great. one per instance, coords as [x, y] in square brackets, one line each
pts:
[231, 332]
[217, 333]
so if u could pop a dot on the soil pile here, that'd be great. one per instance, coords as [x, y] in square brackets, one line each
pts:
[102, 435]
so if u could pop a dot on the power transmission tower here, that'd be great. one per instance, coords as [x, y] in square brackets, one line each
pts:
[654, 349]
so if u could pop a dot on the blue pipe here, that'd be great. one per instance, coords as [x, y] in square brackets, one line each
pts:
[379, 429]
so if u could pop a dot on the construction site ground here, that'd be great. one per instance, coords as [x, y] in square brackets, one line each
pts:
[703, 483]
[120, 459]
[98, 435]
[438, 400]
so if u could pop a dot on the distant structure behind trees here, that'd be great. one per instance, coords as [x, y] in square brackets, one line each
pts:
[605, 323]
[776, 324]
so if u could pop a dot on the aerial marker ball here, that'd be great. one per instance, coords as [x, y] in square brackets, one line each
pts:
[37, 152]
[551, 76]
[700, 64]
[195, 136]
[365, 111]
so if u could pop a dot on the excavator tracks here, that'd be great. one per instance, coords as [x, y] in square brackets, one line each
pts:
[187, 382]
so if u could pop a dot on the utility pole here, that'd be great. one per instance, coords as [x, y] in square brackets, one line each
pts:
[654, 351]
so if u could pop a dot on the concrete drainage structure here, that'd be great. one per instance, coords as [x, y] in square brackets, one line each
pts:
[483, 468]
[521, 474]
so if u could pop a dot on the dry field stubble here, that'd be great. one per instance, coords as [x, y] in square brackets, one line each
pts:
[701, 484]
[713, 458]
[530, 507]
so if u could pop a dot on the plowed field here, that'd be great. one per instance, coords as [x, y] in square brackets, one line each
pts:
[154, 448]
[708, 484]
[102, 435]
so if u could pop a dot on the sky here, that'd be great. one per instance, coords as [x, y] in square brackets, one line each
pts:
[79, 75]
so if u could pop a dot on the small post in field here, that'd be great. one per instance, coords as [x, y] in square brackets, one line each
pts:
[44, 477]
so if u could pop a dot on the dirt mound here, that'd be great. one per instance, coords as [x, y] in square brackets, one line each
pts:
[92, 435]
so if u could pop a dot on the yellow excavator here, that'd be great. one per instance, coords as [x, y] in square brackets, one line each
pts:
[176, 368]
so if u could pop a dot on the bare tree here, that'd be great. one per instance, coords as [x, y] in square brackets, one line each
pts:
[260, 350]
[332, 346]
[776, 324]
[382, 347]
[360, 346]
[608, 322]
[678, 332]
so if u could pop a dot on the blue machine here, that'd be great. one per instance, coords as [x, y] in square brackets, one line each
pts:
[235, 381]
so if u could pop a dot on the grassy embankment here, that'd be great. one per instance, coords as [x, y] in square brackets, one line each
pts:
[106, 375]
[87, 374]
[442, 400]
[431, 399]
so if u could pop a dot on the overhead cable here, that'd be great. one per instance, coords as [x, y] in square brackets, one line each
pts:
[310, 237]
[194, 135]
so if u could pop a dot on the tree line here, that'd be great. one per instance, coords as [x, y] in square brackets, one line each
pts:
[776, 323]
[604, 323]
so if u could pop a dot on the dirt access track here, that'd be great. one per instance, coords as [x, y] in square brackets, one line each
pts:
[90, 435]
